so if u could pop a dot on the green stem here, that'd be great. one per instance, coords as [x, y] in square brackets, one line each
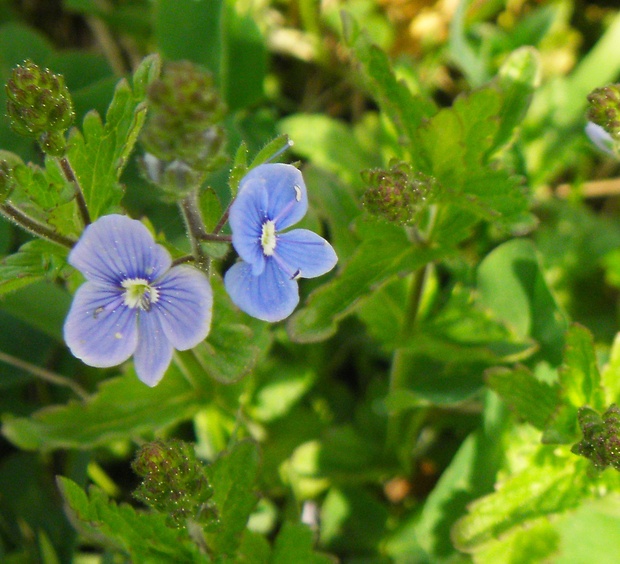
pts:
[43, 374]
[397, 432]
[195, 228]
[33, 226]
[69, 173]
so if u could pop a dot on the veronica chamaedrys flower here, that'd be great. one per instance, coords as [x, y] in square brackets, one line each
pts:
[133, 302]
[271, 198]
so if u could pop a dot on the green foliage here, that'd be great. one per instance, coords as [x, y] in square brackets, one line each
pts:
[447, 394]
[100, 152]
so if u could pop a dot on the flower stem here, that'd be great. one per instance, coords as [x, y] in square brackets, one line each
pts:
[223, 219]
[33, 226]
[43, 374]
[400, 435]
[196, 228]
[69, 173]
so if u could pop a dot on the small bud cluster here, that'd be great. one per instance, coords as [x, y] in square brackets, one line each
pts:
[182, 137]
[605, 109]
[39, 105]
[601, 437]
[397, 194]
[174, 482]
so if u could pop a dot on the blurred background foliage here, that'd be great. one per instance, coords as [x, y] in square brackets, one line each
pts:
[318, 407]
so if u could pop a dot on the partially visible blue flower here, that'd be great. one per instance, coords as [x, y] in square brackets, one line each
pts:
[133, 302]
[271, 198]
[600, 137]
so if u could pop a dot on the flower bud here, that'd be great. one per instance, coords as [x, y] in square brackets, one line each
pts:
[39, 105]
[601, 437]
[184, 114]
[174, 482]
[397, 194]
[605, 109]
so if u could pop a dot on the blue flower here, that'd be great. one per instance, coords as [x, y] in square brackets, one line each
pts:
[133, 302]
[272, 197]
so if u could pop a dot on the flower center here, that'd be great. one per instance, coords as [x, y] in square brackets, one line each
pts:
[139, 293]
[268, 237]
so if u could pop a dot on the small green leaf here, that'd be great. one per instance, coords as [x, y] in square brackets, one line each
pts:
[405, 110]
[35, 261]
[99, 154]
[271, 150]
[375, 262]
[232, 477]
[530, 399]
[144, 537]
[517, 79]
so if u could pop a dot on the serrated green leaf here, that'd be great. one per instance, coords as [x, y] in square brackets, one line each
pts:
[538, 491]
[580, 385]
[122, 407]
[530, 399]
[144, 537]
[294, 543]
[99, 154]
[405, 110]
[457, 144]
[232, 477]
[375, 262]
[36, 260]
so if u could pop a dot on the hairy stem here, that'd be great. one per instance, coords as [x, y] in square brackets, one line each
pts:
[196, 228]
[33, 226]
[69, 173]
[43, 374]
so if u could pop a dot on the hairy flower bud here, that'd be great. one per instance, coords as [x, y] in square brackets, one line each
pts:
[397, 194]
[601, 437]
[39, 105]
[605, 109]
[174, 482]
[184, 114]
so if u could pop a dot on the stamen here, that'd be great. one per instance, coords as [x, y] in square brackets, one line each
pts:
[268, 238]
[297, 193]
[139, 293]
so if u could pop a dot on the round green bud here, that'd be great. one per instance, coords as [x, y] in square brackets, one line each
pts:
[398, 193]
[39, 105]
[604, 109]
[184, 115]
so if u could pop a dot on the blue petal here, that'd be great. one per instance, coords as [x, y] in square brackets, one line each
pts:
[286, 190]
[304, 254]
[99, 329]
[115, 248]
[272, 296]
[247, 215]
[154, 352]
[184, 306]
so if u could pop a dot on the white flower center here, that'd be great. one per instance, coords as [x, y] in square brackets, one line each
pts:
[139, 293]
[268, 238]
